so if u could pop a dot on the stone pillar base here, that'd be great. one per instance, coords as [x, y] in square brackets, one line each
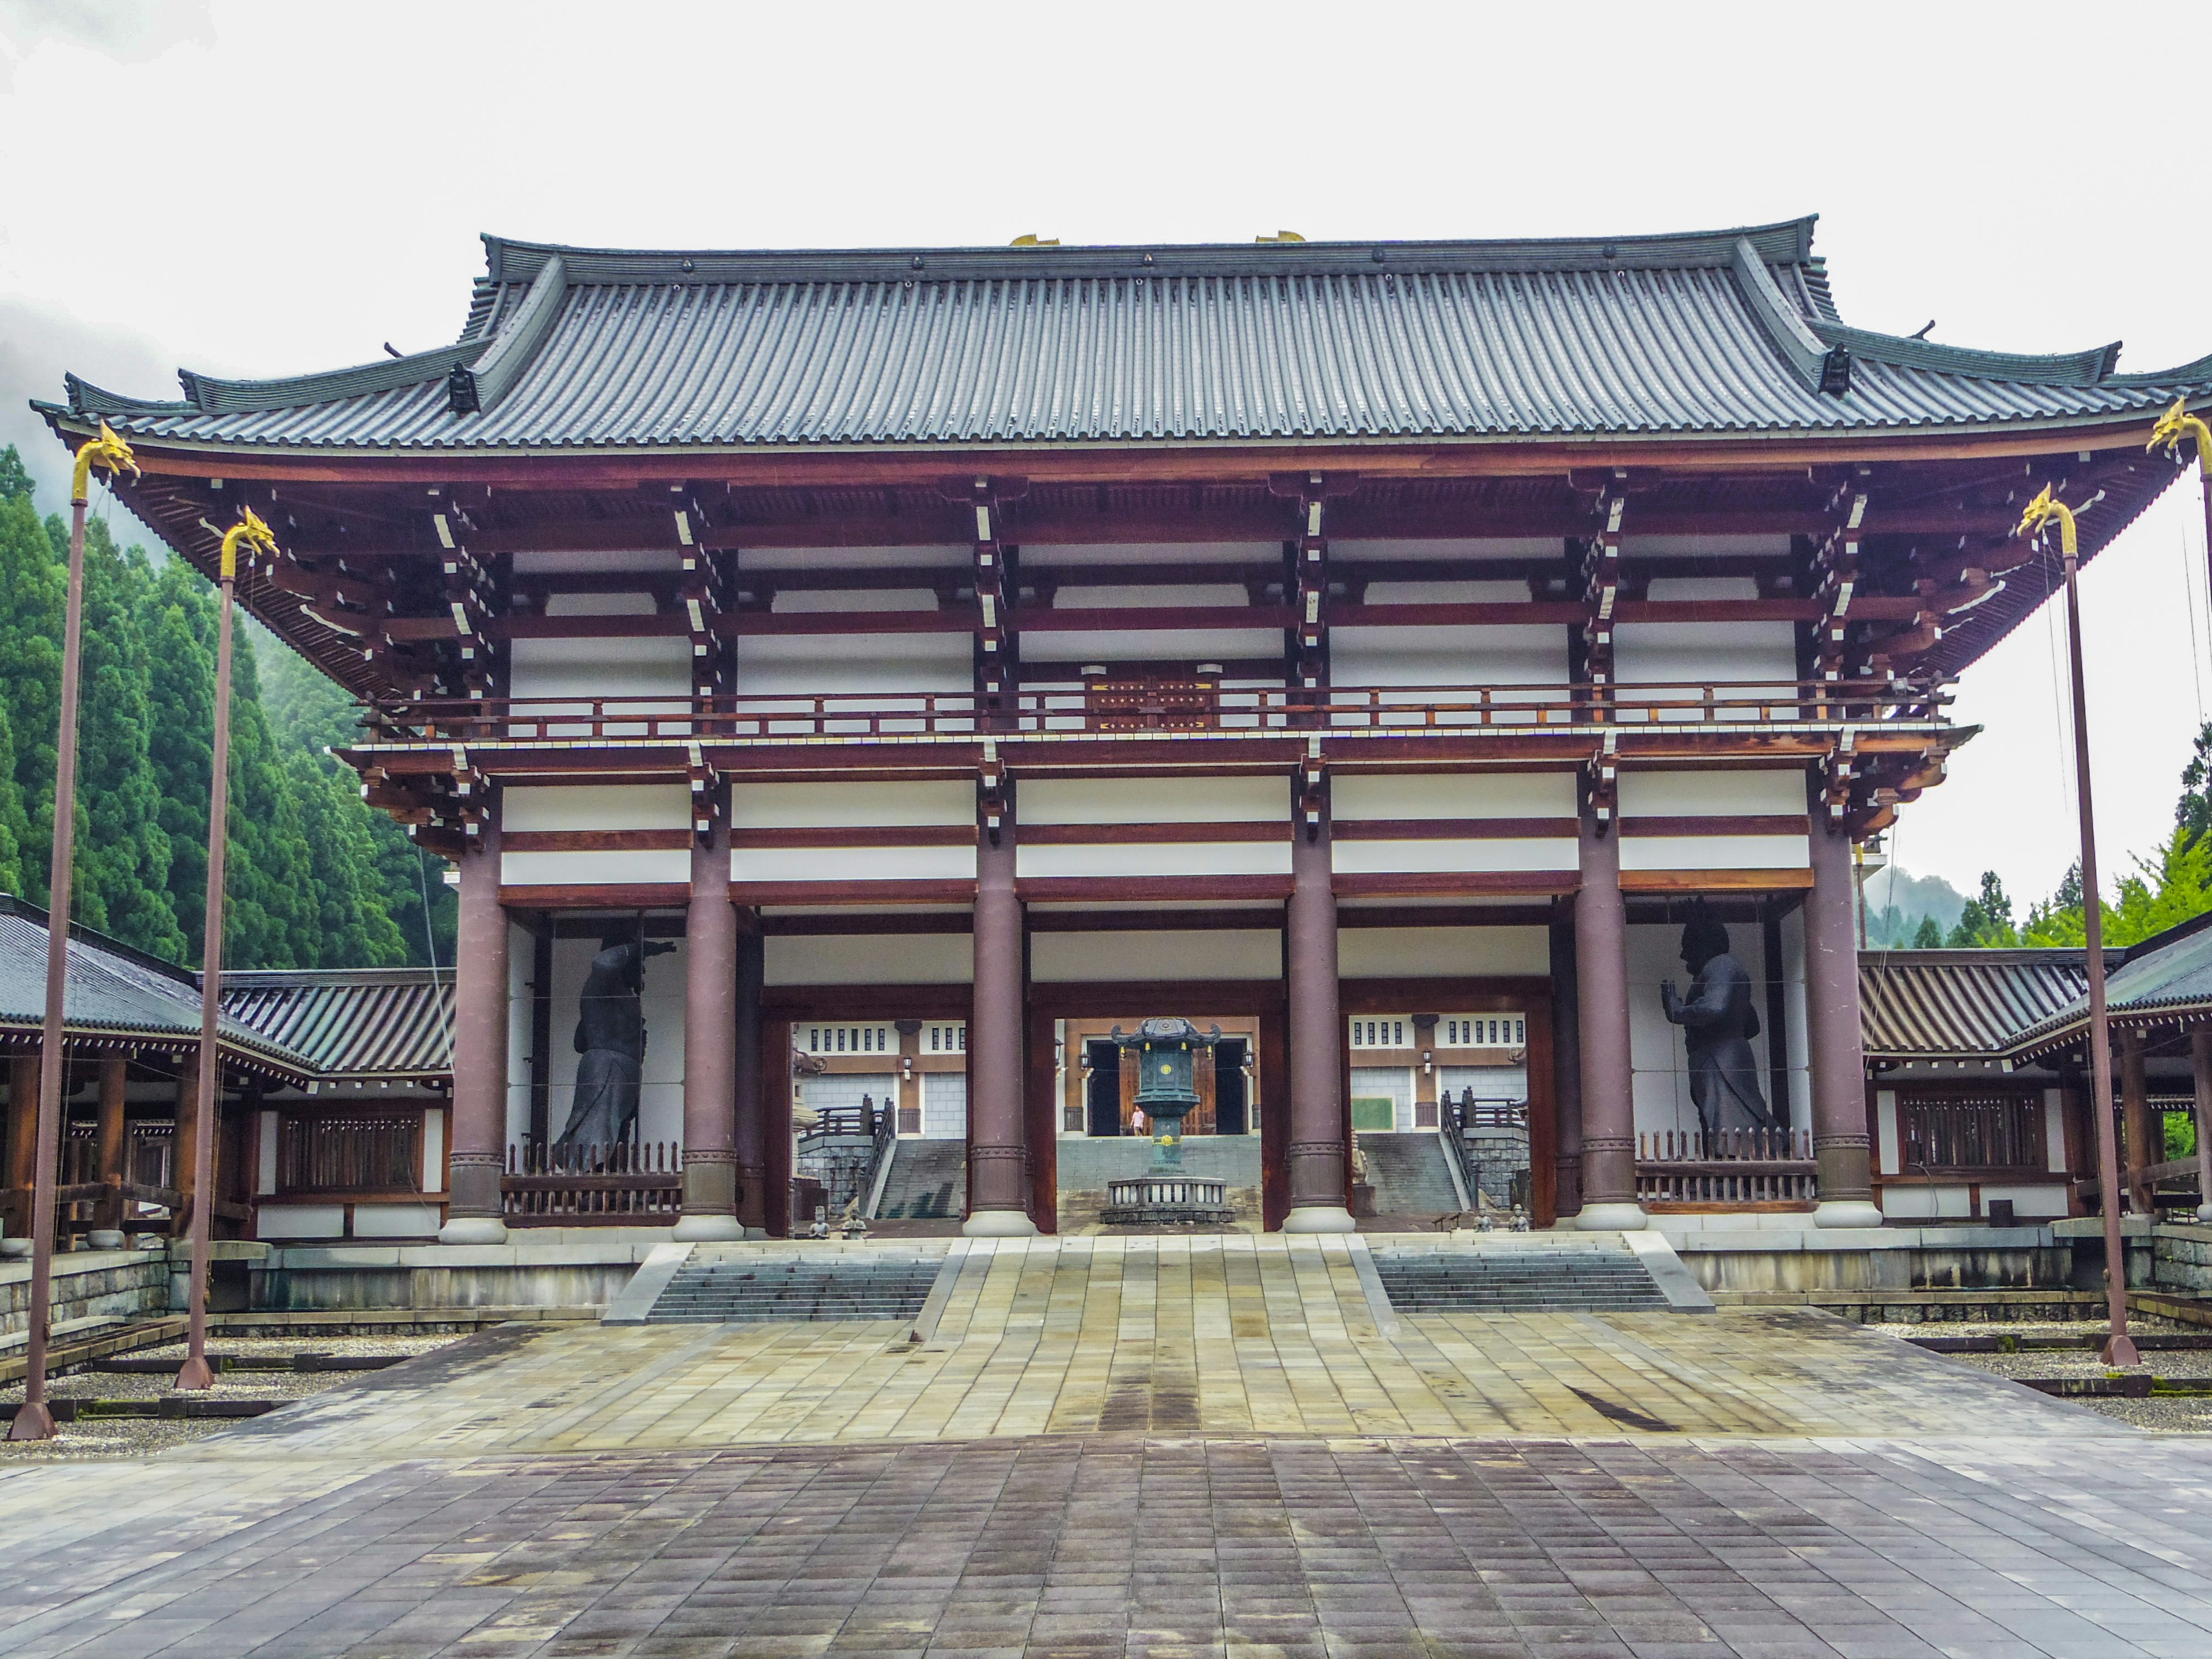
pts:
[1846, 1213]
[1000, 1223]
[708, 1229]
[1320, 1219]
[473, 1229]
[1611, 1218]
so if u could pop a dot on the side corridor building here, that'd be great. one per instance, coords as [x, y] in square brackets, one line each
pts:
[1375, 649]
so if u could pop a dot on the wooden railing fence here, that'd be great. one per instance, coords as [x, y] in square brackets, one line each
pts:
[1731, 1168]
[573, 1184]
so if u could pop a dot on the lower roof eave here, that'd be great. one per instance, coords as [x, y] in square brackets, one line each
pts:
[13, 1029]
[1108, 460]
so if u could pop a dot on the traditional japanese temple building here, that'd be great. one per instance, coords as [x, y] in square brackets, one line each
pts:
[1375, 649]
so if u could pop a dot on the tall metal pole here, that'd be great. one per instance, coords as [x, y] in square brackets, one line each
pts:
[2120, 1347]
[34, 1419]
[196, 1372]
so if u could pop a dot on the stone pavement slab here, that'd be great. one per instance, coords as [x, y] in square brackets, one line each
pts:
[1114, 1544]
[1232, 1334]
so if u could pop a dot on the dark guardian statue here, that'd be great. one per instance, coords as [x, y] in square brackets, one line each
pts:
[1718, 1024]
[610, 1038]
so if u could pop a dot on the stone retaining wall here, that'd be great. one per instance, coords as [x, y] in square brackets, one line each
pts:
[87, 1284]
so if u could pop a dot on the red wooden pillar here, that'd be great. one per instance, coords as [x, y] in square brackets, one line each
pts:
[2200, 1066]
[479, 1117]
[1318, 1167]
[749, 1075]
[22, 1140]
[2144, 1128]
[710, 1032]
[998, 1160]
[1566, 1072]
[1608, 1101]
[775, 1128]
[1841, 1146]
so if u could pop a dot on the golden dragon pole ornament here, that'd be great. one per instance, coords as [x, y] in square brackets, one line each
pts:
[2044, 511]
[34, 1419]
[2175, 426]
[251, 534]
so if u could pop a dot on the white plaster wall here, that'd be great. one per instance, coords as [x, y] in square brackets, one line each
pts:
[1452, 593]
[519, 949]
[818, 601]
[870, 958]
[1191, 645]
[1762, 792]
[944, 1105]
[1488, 1082]
[1453, 857]
[2042, 1199]
[1888, 1139]
[1351, 549]
[1633, 547]
[1138, 597]
[589, 868]
[1190, 858]
[843, 864]
[851, 805]
[1154, 801]
[865, 665]
[1454, 795]
[596, 806]
[1156, 955]
[1926, 1203]
[1038, 555]
[1441, 952]
[1639, 853]
[2054, 1131]
[395, 1220]
[598, 560]
[299, 1221]
[1760, 655]
[940, 556]
[1453, 654]
[659, 667]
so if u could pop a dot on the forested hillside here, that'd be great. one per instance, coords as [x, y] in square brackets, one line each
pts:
[315, 879]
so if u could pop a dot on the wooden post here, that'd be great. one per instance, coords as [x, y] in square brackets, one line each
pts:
[23, 1135]
[1609, 1102]
[775, 1128]
[2146, 1141]
[183, 1145]
[748, 1073]
[478, 1154]
[1425, 1071]
[997, 1179]
[907, 1102]
[1319, 1169]
[1566, 1075]
[2200, 1065]
[114, 1147]
[710, 1030]
[1841, 1146]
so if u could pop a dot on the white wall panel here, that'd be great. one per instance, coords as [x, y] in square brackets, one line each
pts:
[870, 958]
[1136, 596]
[1353, 549]
[2054, 1130]
[299, 1221]
[598, 561]
[593, 868]
[1765, 792]
[1192, 645]
[941, 555]
[858, 664]
[851, 805]
[596, 806]
[1771, 546]
[1441, 952]
[1640, 852]
[1888, 1158]
[1163, 954]
[817, 601]
[601, 668]
[1359, 858]
[1455, 795]
[1039, 555]
[1155, 801]
[1760, 655]
[848, 864]
[394, 1220]
[1192, 858]
[944, 1106]
[1448, 656]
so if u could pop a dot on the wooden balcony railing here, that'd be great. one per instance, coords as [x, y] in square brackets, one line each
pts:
[1731, 1170]
[862, 717]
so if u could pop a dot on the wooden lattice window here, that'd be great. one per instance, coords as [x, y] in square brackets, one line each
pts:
[349, 1152]
[1972, 1132]
[1151, 702]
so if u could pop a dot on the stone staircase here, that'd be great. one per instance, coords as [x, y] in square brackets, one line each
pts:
[928, 1182]
[1517, 1274]
[1409, 1174]
[749, 1287]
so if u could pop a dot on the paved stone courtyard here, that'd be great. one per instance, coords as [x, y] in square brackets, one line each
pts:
[1217, 1447]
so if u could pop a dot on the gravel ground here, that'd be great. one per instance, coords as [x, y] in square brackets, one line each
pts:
[2183, 1416]
[135, 1436]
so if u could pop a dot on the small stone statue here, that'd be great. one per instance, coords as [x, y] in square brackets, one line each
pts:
[819, 1228]
[610, 1038]
[1718, 1024]
[853, 1223]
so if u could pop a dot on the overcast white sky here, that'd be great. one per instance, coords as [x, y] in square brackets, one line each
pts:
[261, 188]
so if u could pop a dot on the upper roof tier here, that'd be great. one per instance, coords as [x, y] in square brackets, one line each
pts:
[1728, 333]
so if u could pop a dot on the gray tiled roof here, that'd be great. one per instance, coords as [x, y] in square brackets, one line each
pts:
[1719, 333]
[1938, 1005]
[357, 1023]
[115, 992]
[2160, 980]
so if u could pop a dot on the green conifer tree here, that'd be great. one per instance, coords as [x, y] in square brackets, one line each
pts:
[1930, 936]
